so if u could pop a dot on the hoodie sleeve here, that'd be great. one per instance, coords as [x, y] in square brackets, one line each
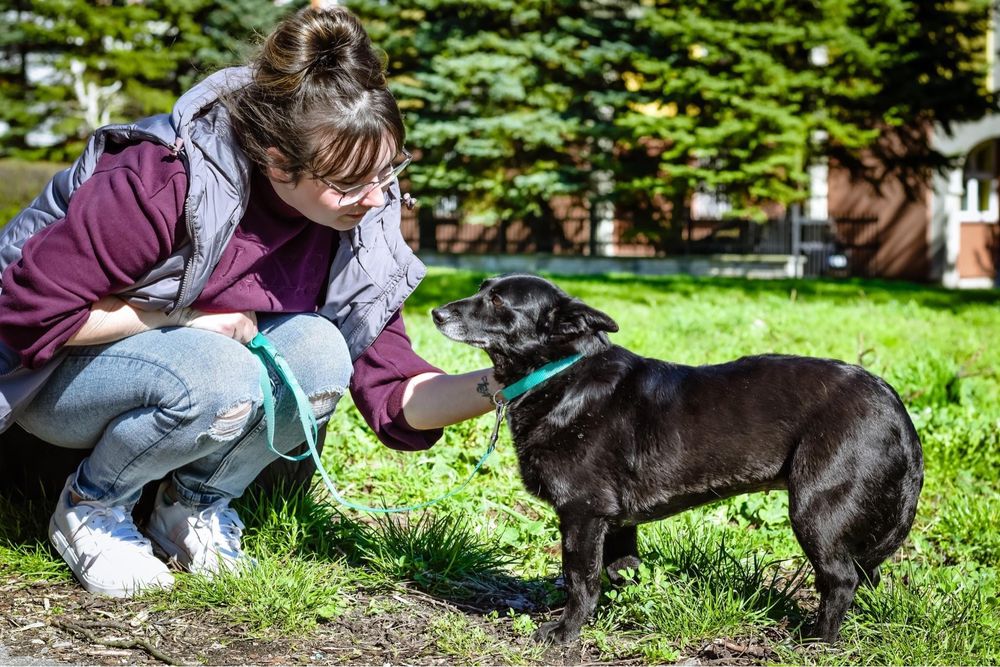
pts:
[122, 221]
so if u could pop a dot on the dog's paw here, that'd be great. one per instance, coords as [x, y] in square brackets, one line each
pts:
[623, 571]
[555, 632]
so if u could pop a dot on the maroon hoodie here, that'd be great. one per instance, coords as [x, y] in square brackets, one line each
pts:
[129, 216]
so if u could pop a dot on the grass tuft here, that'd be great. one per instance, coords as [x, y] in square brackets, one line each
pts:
[439, 553]
[280, 596]
[24, 546]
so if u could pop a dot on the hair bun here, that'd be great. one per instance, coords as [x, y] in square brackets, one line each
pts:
[321, 43]
[319, 97]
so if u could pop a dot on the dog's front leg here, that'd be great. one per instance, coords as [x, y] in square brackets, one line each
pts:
[582, 547]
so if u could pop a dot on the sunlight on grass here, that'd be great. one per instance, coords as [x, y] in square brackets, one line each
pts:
[438, 553]
[728, 569]
[918, 617]
[702, 581]
[277, 597]
[24, 548]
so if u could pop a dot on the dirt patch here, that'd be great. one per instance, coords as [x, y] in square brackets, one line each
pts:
[46, 623]
[61, 623]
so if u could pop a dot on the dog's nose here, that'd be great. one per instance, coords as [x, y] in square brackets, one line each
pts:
[439, 315]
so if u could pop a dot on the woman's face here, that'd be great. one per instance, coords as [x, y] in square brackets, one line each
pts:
[321, 203]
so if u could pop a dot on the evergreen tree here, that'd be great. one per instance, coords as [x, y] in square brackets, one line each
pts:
[68, 66]
[502, 99]
[514, 101]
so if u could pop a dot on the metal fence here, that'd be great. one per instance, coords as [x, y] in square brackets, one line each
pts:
[835, 247]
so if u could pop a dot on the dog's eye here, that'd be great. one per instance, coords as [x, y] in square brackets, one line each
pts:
[496, 300]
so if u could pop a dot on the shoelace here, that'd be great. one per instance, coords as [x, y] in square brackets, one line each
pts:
[113, 522]
[223, 521]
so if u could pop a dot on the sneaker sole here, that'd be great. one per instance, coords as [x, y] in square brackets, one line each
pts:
[67, 553]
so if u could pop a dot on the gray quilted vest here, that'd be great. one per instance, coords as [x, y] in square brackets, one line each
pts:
[372, 274]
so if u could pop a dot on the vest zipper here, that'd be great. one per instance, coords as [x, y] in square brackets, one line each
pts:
[193, 238]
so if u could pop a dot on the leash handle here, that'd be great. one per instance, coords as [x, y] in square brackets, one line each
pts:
[269, 356]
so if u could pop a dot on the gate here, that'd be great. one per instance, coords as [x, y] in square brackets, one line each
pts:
[837, 247]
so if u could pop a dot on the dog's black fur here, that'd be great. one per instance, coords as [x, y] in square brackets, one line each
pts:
[617, 439]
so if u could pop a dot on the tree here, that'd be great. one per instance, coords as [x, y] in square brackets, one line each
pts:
[928, 74]
[515, 102]
[68, 66]
[502, 99]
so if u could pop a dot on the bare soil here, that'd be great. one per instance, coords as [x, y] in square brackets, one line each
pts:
[60, 623]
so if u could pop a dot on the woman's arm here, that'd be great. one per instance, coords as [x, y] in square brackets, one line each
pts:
[126, 218]
[112, 319]
[436, 400]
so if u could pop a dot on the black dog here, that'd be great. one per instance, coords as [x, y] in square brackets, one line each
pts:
[615, 440]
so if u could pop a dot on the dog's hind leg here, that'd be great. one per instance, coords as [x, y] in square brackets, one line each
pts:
[621, 552]
[582, 547]
[868, 576]
[836, 581]
[825, 505]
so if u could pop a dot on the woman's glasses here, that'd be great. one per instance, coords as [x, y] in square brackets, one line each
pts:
[356, 193]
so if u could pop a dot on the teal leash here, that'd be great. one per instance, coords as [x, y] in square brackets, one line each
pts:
[269, 356]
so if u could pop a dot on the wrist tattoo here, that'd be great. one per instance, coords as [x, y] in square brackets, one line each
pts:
[484, 387]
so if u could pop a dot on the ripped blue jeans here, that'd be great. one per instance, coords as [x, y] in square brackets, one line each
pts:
[185, 403]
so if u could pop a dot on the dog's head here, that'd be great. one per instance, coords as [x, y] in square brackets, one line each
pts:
[523, 322]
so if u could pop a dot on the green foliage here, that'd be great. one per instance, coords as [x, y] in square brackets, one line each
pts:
[276, 597]
[729, 569]
[143, 55]
[24, 552]
[441, 554]
[916, 617]
[515, 105]
[512, 103]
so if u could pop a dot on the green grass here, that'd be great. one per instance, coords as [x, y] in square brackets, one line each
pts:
[731, 569]
[20, 182]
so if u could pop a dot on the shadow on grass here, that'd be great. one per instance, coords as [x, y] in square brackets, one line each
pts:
[441, 555]
[445, 557]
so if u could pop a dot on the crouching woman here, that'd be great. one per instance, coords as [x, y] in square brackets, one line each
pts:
[267, 201]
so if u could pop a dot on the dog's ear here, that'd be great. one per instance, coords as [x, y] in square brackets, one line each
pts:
[574, 318]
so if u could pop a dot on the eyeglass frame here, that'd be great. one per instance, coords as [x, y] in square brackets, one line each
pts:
[363, 189]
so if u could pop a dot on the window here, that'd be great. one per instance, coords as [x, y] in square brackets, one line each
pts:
[979, 200]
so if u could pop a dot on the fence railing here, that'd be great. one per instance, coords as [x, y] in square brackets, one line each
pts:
[838, 247]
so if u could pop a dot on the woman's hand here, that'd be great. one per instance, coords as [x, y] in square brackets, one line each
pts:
[238, 326]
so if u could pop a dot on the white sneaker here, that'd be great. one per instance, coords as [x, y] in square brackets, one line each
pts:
[204, 541]
[105, 550]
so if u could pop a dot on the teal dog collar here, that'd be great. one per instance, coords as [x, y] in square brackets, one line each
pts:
[535, 378]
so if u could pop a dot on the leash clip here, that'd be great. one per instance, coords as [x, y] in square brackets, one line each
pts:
[501, 408]
[499, 401]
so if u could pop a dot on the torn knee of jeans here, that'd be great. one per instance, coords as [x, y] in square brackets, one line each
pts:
[229, 422]
[324, 402]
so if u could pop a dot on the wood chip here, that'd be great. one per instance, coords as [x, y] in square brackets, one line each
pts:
[117, 653]
[139, 618]
[29, 626]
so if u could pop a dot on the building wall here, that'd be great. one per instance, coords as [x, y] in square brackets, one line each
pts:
[960, 245]
[902, 223]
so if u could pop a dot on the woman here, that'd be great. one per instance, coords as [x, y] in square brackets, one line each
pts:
[267, 201]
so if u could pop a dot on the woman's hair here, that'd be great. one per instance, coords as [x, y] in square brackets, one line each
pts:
[318, 95]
